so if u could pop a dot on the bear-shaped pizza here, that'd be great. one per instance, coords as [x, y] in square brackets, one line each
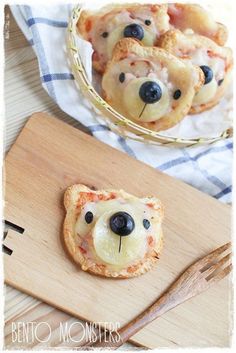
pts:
[215, 61]
[112, 233]
[149, 85]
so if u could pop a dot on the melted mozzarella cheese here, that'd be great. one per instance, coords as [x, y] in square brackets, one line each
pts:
[97, 208]
[135, 106]
[113, 38]
[218, 67]
[148, 38]
[206, 93]
[105, 243]
[81, 227]
[118, 33]
[122, 17]
[199, 57]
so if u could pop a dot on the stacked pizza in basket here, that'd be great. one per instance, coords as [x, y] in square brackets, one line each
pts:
[158, 62]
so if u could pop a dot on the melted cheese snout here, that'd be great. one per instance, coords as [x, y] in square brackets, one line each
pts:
[116, 250]
[109, 247]
[137, 109]
[208, 91]
[117, 33]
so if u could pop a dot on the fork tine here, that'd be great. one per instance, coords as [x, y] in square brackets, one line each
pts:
[205, 260]
[220, 275]
[220, 250]
[216, 266]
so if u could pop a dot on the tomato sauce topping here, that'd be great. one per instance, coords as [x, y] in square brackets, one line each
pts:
[133, 268]
[88, 25]
[82, 250]
[211, 54]
[150, 204]
[154, 8]
[95, 56]
[150, 240]
[85, 197]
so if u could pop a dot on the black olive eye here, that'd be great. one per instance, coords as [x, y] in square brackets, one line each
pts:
[105, 34]
[147, 22]
[177, 94]
[220, 82]
[208, 73]
[122, 77]
[146, 223]
[88, 217]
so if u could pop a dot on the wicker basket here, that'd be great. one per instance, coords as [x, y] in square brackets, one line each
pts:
[117, 122]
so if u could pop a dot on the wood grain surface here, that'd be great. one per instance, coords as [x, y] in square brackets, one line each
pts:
[23, 96]
[47, 157]
[196, 279]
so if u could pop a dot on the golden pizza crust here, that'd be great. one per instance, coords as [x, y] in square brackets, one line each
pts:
[71, 198]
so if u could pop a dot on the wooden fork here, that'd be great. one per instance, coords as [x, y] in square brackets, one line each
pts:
[196, 279]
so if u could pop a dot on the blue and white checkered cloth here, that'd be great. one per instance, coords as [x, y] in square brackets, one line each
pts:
[208, 168]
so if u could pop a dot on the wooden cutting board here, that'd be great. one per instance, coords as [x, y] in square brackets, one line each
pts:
[47, 157]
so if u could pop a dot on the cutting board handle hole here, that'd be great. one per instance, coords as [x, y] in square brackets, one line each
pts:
[17, 228]
[7, 250]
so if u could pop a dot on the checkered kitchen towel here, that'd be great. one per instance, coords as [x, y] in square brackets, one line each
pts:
[208, 168]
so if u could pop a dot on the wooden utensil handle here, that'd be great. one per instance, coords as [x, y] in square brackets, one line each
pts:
[164, 304]
[177, 293]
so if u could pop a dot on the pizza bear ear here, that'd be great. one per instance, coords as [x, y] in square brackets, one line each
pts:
[73, 194]
[215, 61]
[125, 47]
[150, 85]
[196, 18]
[85, 23]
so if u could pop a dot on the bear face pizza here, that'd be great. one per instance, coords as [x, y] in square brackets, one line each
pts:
[104, 28]
[215, 61]
[149, 85]
[112, 233]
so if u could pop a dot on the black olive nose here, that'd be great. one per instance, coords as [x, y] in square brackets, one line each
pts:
[122, 223]
[150, 92]
[134, 30]
[208, 73]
